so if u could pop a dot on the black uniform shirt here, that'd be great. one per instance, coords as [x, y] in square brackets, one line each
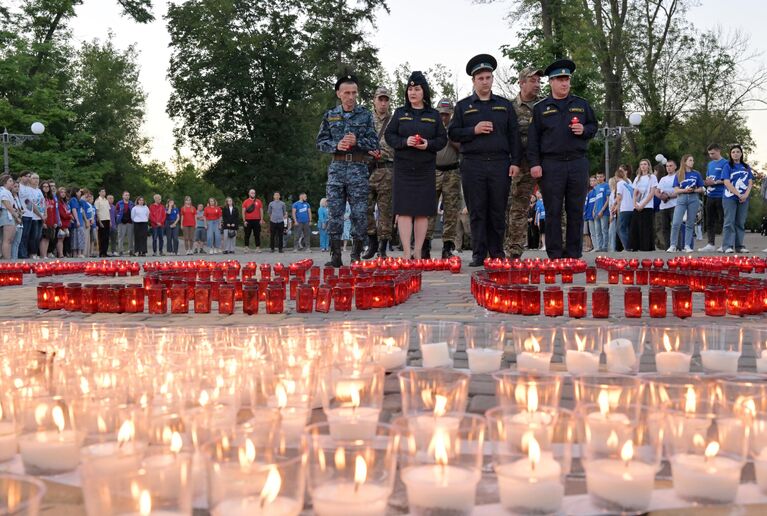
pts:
[549, 134]
[407, 122]
[503, 142]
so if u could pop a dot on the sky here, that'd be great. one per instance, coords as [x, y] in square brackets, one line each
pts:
[465, 29]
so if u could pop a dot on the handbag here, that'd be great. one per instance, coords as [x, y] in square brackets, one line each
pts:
[231, 233]
[251, 208]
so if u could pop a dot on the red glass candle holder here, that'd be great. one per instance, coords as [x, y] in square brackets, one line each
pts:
[362, 296]
[600, 303]
[681, 301]
[342, 297]
[109, 299]
[658, 299]
[73, 293]
[328, 272]
[265, 271]
[202, 297]
[531, 301]
[90, 299]
[344, 271]
[157, 298]
[632, 302]
[59, 296]
[454, 264]
[179, 303]
[591, 274]
[567, 276]
[535, 276]
[382, 294]
[322, 303]
[716, 300]
[250, 298]
[641, 277]
[275, 299]
[294, 287]
[549, 277]
[226, 299]
[737, 300]
[44, 296]
[304, 298]
[133, 296]
[553, 302]
[315, 272]
[628, 277]
[613, 275]
[576, 302]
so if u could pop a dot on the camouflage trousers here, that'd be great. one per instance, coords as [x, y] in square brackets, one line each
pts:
[347, 182]
[518, 205]
[449, 187]
[380, 194]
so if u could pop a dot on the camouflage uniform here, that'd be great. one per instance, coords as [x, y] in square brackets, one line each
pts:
[449, 187]
[347, 179]
[381, 185]
[522, 186]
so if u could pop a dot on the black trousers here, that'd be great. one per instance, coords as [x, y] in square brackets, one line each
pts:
[140, 236]
[276, 230]
[568, 182]
[103, 238]
[642, 231]
[714, 217]
[253, 226]
[486, 190]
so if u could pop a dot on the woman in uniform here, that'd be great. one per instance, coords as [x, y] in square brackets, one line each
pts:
[416, 134]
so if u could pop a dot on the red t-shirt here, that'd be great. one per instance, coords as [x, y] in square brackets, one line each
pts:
[50, 212]
[212, 212]
[188, 214]
[255, 214]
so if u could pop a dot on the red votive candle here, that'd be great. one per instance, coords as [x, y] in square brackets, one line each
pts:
[737, 300]
[59, 296]
[202, 297]
[576, 302]
[553, 302]
[658, 299]
[134, 299]
[157, 298]
[632, 302]
[304, 298]
[342, 297]
[362, 296]
[715, 297]
[549, 276]
[535, 276]
[275, 299]
[265, 270]
[628, 277]
[322, 303]
[641, 276]
[73, 297]
[567, 276]
[44, 296]
[328, 272]
[591, 274]
[613, 275]
[226, 299]
[681, 301]
[600, 303]
[294, 287]
[90, 299]
[250, 298]
[178, 300]
[531, 301]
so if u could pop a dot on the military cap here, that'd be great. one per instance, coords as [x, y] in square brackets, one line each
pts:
[560, 67]
[382, 91]
[529, 71]
[481, 62]
[445, 106]
[346, 78]
[417, 78]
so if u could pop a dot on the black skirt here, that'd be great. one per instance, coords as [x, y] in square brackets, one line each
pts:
[414, 190]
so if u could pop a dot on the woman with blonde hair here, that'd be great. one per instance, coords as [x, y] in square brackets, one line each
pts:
[624, 205]
[642, 235]
[688, 183]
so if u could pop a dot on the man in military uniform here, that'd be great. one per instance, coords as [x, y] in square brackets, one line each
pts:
[557, 140]
[448, 187]
[486, 127]
[381, 168]
[347, 133]
[522, 184]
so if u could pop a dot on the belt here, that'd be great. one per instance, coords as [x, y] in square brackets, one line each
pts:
[564, 156]
[351, 157]
[445, 168]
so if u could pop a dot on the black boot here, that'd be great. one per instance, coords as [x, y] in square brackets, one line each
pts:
[335, 254]
[382, 245]
[426, 249]
[372, 247]
[357, 246]
[447, 249]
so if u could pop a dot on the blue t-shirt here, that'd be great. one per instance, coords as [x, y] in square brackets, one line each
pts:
[90, 212]
[588, 209]
[199, 219]
[302, 211]
[714, 171]
[739, 176]
[172, 215]
[601, 196]
[692, 179]
[77, 212]
[540, 209]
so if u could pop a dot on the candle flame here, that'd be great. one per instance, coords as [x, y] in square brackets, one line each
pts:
[271, 487]
[389, 342]
[126, 433]
[355, 398]
[438, 446]
[282, 396]
[340, 458]
[145, 503]
[531, 344]
[667, 343]
[58, 417]
[533, 451]
[426, 397]
[40, 412]
[532, 399]
[749, 408]
[360, 471]
[580, 343]
[84, 385]
[612, 440]
[440, 405]
[711, 450]
[689, 400]
[698, 440]
[101, 424]
[603, 400]
[204, 398]
[627, 451]
[176, 442]
[247, 454]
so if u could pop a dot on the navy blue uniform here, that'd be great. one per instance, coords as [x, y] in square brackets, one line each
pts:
[552, 145]
[485, 167]
[347, 180]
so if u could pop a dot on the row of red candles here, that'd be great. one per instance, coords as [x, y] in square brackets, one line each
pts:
[308, 297]
[735, 299]
[9, 278]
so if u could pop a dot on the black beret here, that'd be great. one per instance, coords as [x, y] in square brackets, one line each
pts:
[346, 78]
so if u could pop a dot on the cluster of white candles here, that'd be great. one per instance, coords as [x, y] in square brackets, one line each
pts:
[158, 421]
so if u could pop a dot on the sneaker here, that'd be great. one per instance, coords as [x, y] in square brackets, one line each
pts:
[672, 249]
[708, 248]
[258, 249]
[729, 250]
[542, 248]
[719, 249]
[743, 250]
[687, 249]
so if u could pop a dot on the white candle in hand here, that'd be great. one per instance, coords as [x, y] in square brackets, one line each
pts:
[50, 452]
[621, 357]
[720, 361]
[620, 485]
[436, 354]
[484, 360]
[533, 484]
[706, 478]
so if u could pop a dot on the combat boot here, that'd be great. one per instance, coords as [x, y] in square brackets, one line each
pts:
[335, 254]
[447, 249]
[426, 249]
[372, 247]
[357, 246]
[382, 245]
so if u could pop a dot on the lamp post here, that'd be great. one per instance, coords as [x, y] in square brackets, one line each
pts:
[18, 139]
[608, 132]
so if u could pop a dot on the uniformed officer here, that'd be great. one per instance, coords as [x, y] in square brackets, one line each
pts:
[557, 141]
[486, 127]
[448, 187]
[348, 134]
[381, 170]
[522, 184]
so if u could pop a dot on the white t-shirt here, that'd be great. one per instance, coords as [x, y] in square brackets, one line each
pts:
[644, 185]
[626, 191]
[31, 196]
[666, 185]
[5, 195]
[140, 213]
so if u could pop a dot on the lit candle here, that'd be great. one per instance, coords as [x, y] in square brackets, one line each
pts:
[720, 360]
[621, 357]
[292, 419]
[707, 478]
[350, 421]
[145, 507]
[268, 502]
[671, 360]
[580, 361]
[436, 354]
[532, 359]
[389, 354]
[351, 498]
[116, 456]
[50, 452]
[606, 427]
[484, 360]
[533, 484]
[623, 485]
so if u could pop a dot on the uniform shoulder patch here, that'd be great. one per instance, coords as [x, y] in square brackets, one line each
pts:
[472, 110]
[334, 118]
[577, 110]
[425, 119]
[550, 111]
[406, 118]
[499, 108]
